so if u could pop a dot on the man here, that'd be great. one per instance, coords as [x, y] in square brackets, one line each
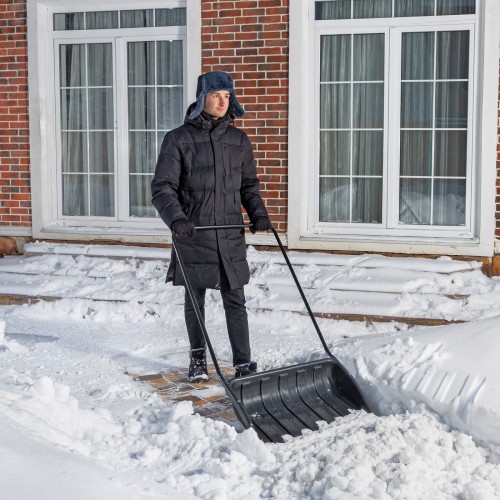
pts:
[204, 174]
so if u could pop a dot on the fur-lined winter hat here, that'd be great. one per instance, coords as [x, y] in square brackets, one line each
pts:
[211, 82]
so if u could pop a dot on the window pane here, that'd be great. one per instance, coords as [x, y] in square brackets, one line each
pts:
[136, 18]
[416, 105]
[102, 200]
[73, 110]
[363, 9]
[156, 105]
[171, 17]
[141, 63]
[452, 55]
[455, 7]
[367, 201]
[67, 22]
[334, 153]
[100, 65]
[88, 108]
[417, 59]
[101, 152]
[74, 152]
[142, 152]
[435, 154]
[335, 106]
[338, 9]
[141, 108]
[101, 20]
[413, 8]
[170, 107]
[72, 65]
[415, 201]
[169, 62]
[335, 58]
[366, 9]
[450, 153]
[416, 152]
[451, 104]
[368, 105]
[368, 57]
[159, 140]
[368, 152]
[449, 202]
[75, 194]
[101, 109]
[140, 196]
[334, 199]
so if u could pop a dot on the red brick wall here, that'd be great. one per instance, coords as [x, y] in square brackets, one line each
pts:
[15, 204]
[249, 39]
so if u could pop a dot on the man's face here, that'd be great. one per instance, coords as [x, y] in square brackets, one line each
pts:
[217, 103]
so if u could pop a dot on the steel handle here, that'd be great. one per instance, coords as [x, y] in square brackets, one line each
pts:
[294, 276]
[226, 226]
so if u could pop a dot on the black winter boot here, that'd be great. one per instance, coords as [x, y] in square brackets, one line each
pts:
[198, 365]
[245, 369]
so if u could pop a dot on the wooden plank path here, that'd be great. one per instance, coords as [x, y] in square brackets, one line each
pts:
[368, 319]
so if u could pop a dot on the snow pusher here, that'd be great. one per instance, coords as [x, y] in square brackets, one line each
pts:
[290, 399]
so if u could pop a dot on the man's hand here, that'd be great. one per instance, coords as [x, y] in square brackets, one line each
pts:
[260, 224]
[184, 227]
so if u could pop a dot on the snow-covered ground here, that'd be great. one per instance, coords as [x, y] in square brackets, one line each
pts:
[76, 425]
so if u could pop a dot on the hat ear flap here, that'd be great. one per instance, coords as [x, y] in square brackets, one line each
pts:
[235, 107]
[200, 104]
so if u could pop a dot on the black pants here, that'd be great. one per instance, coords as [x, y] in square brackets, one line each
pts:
[236, 321]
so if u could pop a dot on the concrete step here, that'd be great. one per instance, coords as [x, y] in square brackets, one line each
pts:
[16, 299]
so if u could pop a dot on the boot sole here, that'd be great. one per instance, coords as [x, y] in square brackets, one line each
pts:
[201, 378]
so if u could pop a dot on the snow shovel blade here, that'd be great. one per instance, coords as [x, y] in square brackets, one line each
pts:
[289, 400]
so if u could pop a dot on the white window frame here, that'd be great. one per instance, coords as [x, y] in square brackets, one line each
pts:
[468, 230]
[45, 169]
[313, 210]
[303, 232]
[121, 163]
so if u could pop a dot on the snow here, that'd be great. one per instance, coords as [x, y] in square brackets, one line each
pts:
[76, 425]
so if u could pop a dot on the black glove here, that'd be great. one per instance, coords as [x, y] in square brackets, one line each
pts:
[260, 224]
[184, 227]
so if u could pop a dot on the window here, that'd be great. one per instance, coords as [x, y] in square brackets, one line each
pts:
[107, 80]
[434, 127]
[87, 129]
[394, 120]
[118, 94]
[371, 9]
[351, 127]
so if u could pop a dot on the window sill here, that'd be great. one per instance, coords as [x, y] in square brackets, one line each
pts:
[152, 233]
[393, 244]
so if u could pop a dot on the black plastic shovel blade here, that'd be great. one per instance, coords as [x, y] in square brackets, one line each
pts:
[291, 399]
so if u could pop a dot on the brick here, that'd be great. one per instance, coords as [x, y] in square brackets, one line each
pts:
[228, 29]
[247, 4]
[7, 245]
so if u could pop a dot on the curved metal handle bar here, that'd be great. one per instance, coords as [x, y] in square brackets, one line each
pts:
[198, 312]
[306, 303]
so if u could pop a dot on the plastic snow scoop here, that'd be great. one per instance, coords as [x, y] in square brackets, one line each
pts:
[285, 400]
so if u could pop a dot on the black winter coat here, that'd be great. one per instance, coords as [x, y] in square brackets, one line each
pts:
[205, 174]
